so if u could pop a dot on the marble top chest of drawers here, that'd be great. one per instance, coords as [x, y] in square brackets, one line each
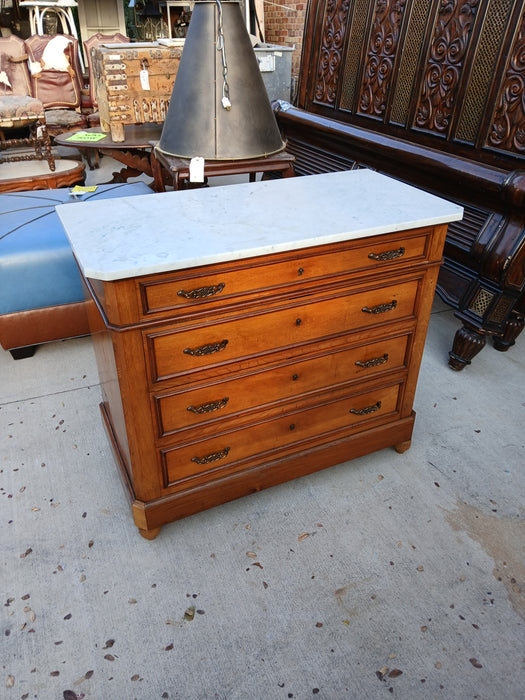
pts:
[250, 334]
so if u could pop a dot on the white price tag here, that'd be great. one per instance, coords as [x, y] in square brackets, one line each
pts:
[197, 169]
[144, 79]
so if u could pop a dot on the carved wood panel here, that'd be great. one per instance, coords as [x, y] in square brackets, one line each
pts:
[331, 50]
[380, 60]
[427, 71]
[445, 64]
[508, 128]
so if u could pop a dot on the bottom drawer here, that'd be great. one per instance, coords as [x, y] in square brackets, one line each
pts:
[205, 460]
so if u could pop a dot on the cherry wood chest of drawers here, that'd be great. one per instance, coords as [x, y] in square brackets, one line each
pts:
[225, 378]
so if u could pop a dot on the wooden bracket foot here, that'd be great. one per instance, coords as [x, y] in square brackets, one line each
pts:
[402, 446]
[149, 534]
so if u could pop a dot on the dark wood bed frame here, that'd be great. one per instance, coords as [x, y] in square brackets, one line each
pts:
[431, 92]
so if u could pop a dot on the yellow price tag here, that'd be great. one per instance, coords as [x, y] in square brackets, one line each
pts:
[79, 189]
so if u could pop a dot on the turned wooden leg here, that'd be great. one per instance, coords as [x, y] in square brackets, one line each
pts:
[402, 446]
[46, 142]
[149, 534]
[156, 169]
[512, 329]
[467, 344]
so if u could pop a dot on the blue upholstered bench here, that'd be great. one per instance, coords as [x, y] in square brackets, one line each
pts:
[41, 294]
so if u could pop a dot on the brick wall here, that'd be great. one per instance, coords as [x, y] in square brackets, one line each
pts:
[284, 24]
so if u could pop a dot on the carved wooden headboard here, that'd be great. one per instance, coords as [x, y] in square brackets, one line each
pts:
[432, 92]
[442, 73]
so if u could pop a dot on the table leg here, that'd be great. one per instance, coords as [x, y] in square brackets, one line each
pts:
[156, 169]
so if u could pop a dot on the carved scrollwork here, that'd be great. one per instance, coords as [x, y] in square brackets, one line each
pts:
[332, 44]
[381, 55]
[207, 349]
[365, 411]
[380, 308]
[508, 126]
[387, 255]
[374, 362]
[209, 406]
[445, 64]
[213, 457]
[201, 292]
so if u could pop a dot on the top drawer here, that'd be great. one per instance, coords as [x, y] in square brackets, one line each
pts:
[203, 289]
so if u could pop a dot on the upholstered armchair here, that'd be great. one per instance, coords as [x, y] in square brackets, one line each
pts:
[56, 80]
[20, 112]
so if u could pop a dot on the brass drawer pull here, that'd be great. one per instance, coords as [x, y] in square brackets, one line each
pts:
[202, 292]
[206, 349]
[211, 458]
[387, 255]
[209, 407]
[367, 410]
[375, 362]
[380, 309]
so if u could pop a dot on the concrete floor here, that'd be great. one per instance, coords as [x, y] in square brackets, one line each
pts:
[391, 575]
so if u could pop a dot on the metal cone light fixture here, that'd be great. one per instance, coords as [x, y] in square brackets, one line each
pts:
[219, 107]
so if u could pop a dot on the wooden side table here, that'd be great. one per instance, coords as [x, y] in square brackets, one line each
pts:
[133, 152]
[179, 168]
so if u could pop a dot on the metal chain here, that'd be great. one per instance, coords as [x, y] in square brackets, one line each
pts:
[220, 47]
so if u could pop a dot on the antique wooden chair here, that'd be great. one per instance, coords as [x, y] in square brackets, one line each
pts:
[19, 111]
[89, 46]
[56, 80]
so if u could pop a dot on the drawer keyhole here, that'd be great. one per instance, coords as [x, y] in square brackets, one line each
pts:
[298, 321]
[300, 271]
[295, 377]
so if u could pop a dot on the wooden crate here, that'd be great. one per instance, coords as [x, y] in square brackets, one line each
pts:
[134, 83]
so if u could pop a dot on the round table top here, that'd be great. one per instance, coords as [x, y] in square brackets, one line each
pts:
[36, 175]
[135, 136]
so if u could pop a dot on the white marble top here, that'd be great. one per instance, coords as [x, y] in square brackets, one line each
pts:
[131, 236]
